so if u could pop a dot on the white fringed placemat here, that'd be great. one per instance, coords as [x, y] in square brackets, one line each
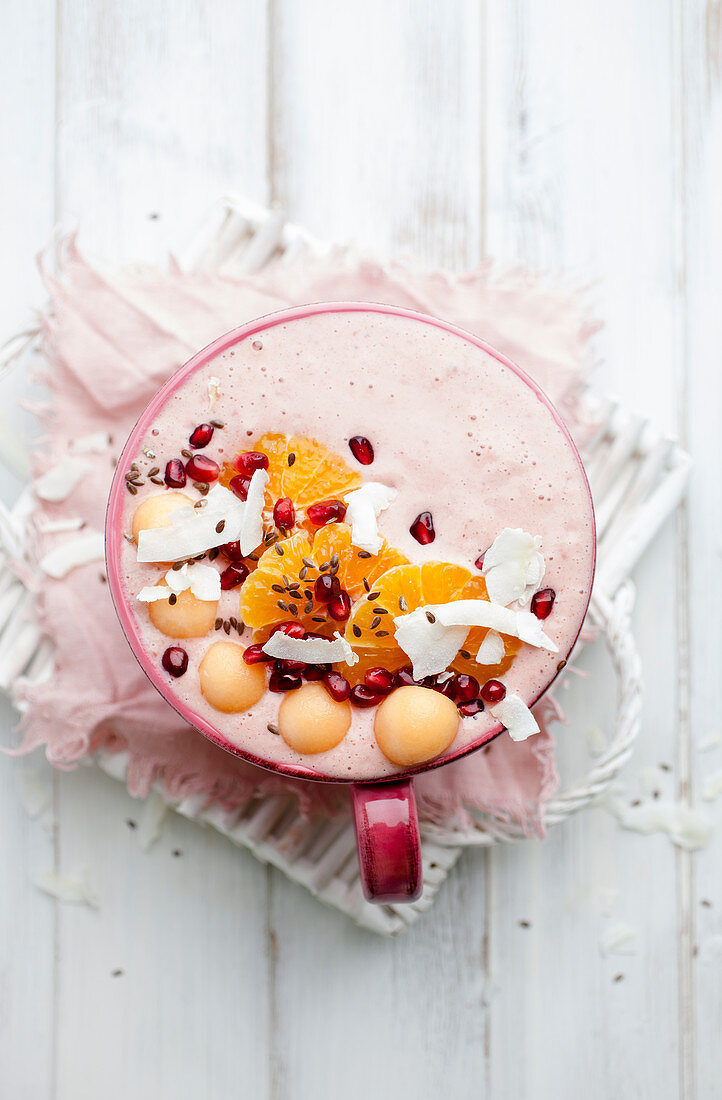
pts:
[637, 478]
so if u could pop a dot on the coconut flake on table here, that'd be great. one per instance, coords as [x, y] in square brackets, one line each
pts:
[685, 826]
[47, 526]
[95, 443]
[214, 390]
[73, 889]
[69, 555]
[513, 567]
[514, 714]
[365, 505]
[712, 786]
[59, 481]
[312, 651]
[618, 939]
[203, 581]
[192, 531]
[491, 650]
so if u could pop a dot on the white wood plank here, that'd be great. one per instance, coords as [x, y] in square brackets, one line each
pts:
[578, 177]
[377, 125]
[377, 139]
[27, 91]
[699, 69]
[361, 1016]
[162, 107]
[188, 1016]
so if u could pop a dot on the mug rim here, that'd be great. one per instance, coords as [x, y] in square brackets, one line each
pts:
[114, 514]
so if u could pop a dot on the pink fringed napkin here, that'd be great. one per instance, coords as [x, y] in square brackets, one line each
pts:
[109, 343]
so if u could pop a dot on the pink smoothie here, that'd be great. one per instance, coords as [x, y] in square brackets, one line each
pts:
[456, 429]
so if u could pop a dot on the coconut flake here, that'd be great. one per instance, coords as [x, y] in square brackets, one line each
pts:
[69, 555]
[60, 480]
[150, 827]
[312, 651]
[192, 531]
[513, 567]
[618, 939]
[96, 443]
[365, 505]
[685, 827]
[491, 650]
[513, 713]
[74, 889]
[214, 390]
[251, 534]
[712, 786]
[203, 580]
[710, 953]
[429, 646]
[47, 526]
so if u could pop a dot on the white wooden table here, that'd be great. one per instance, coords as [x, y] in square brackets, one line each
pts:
[565, 133]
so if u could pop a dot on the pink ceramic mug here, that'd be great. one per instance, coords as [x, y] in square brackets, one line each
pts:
[384, 810]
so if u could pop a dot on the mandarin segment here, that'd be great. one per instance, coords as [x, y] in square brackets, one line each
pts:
[267, 586]
[354, 565]
[299, 468]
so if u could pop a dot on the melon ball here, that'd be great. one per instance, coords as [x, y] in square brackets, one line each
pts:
[415, 724]
[188, 617]
[227, 682]
[309, 720]
[155, 511]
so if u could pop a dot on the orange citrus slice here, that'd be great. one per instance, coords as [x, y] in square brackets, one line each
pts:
[299, 468]
[355, 566]
[282, 585]
[406, 587]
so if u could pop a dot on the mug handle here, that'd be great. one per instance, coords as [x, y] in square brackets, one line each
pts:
[387, 840]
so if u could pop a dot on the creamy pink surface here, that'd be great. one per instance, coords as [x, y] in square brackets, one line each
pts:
[109, 341]
[455, 431]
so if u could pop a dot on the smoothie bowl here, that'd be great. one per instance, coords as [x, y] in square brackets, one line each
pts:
[348, 543]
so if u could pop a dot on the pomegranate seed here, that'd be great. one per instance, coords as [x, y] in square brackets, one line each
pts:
[234, 575]
[291, 628]
[542, 602]
[201, 468]
[467, 688]
[423, 528]
[284, 681]
[254, 655]
[232, 550]
[363, 696]
[175, 660]
[326, 511]
[287, 665]
[201, 436]
[284, 514]
[239, 485]
[493, 692]
[316, 672]
[479, 563]
[405, 677]
[326, 588]
[339, 608]
[362, 449]
[249, 461]
[447, 688]
[337, 686]
[470, 709]
[175, 474]
[380, 680]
